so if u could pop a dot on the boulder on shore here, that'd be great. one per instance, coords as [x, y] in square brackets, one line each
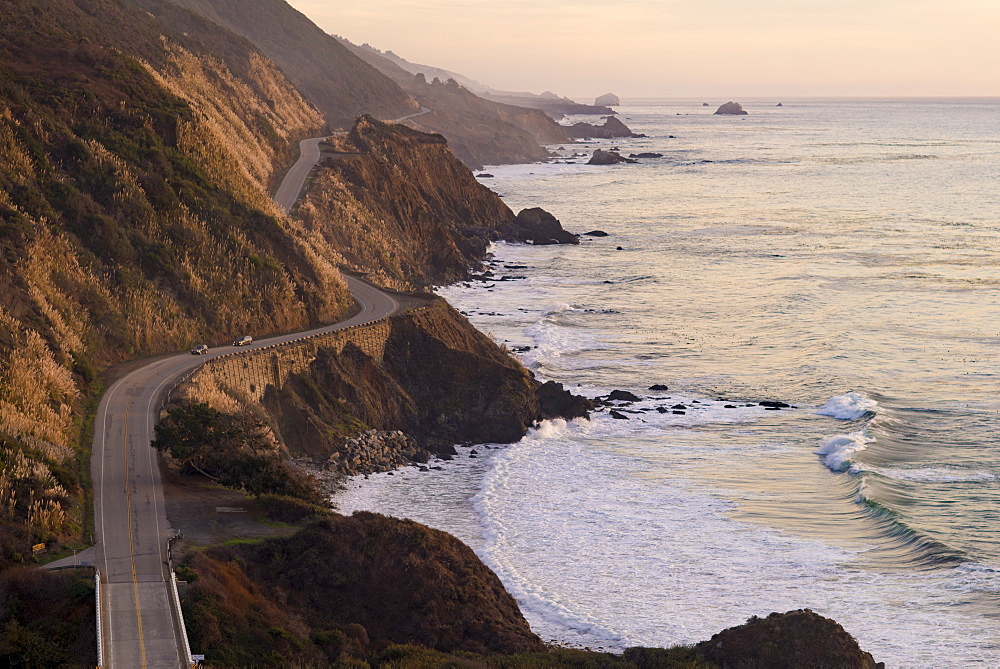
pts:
[731, 108]
[537, 226]
[607, 100]
[602, 157]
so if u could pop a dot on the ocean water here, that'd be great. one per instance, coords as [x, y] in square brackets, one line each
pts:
[840, 256]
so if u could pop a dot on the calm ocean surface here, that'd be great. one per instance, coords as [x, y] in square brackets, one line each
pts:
[841, 256]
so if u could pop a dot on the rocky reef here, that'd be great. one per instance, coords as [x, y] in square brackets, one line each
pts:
[607, 100]
[731, 109]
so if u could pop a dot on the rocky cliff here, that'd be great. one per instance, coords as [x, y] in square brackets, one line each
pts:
[401, 208]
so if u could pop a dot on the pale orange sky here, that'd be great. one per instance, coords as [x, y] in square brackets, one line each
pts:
[680, 48]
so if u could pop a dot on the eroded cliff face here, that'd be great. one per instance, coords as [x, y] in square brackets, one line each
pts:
[400, 207]
[134, 219]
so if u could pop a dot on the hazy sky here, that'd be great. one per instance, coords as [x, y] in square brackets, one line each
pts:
[699, 48]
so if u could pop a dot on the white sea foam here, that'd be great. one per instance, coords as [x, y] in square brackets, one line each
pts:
[935, 475]
[849, 406]
[837, 451]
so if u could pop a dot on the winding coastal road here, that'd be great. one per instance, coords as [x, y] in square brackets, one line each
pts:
[140, 623]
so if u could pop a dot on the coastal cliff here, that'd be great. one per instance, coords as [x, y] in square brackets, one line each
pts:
[400, 208]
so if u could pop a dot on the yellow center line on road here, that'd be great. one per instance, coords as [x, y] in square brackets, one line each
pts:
[131, 543]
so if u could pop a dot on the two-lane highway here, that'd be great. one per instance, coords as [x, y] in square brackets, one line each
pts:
[140, 624]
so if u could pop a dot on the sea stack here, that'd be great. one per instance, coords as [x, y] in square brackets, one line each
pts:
[732, 109]
[602, 157]
[607, 100]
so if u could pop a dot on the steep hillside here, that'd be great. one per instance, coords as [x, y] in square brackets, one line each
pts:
[478, 130]
[339, 83]
[134, 219]
[400, 207]
[349, 587]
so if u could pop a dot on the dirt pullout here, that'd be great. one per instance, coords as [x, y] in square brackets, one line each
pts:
[205, 513]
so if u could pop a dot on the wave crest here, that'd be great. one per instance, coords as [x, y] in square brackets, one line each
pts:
[849, 406]
[836, 451]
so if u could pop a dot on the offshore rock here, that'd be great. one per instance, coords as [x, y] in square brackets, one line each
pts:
[731, 109]
[602, 157]
[794, 639]
[537, 226]
[607, 100]
[623, 396]
[557, 402]
[611, 129]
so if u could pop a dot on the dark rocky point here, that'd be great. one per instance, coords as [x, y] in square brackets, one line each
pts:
[704, 104]
[645, 155]
[658, 386]
[774, 405]
[484, 175]
[731, 109]
[596, 233]
[618, 415]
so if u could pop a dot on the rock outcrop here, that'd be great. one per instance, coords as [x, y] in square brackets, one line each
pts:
[607, 100]
[612, 128]
[348, 587]
[800, 639]
[537, 226]
[731, 109]
[602, 157]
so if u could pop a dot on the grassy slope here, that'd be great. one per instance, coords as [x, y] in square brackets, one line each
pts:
[341, 85]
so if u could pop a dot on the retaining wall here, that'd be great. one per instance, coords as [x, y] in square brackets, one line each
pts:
[230, 380]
